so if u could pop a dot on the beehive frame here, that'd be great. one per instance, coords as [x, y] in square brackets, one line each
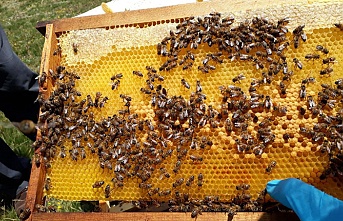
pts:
[134, 17]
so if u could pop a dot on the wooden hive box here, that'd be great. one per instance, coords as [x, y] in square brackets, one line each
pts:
[169, 15]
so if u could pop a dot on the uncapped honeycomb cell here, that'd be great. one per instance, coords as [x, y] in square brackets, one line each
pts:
[222, 166]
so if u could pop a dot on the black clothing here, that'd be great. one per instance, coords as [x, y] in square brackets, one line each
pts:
[18, 91]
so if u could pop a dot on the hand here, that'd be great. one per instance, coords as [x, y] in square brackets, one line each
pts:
[306, 201]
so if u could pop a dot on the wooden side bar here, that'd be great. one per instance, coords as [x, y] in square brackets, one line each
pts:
[37, 178]
[164, 216]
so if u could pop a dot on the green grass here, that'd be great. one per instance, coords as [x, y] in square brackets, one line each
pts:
[19, 143]
[8, 214]
[64, 206]
[19, 18]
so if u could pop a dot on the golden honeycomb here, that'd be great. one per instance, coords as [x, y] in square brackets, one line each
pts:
[104, 52]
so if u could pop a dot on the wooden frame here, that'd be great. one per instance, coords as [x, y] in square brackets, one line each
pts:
[158, 14]
[139, 17]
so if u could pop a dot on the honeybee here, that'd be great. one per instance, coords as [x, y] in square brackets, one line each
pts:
[75, 47]
[312, 56]
[150, 125]
[37, 159]
[103, 101]
[240, 146]
[159, 48]
[298, 29]
[283, 46]
[322, 49]
[98, 184]
[198, 86]
[171, 65]
[271, 166]
[138, 73]
[145, 185]
[339, 25]
[280, 109]
[228, 125]
[329, 60]
[125, 98]
[286, 137]
[268, 102]
[42, 79]
[164, 173]
[287, 76]
[107, 191]
[164, 193]
[185, 83]
[149, 84]
[196, 158]
[238, 78]
[178, 182]
[187, 65]
[59, 70]
[258, 64]
[177, 166]
[302, 93]
[145, 91]
[339, 83]
[58, 51]
[203, 69]
[159, 77]
[243, 187]
[83, 153]
[320, 126]
[96, 99]
[229, 20]
[298, 63]
[200, 179]
[308, 80]
[153, 191]
[325, 147]
[195, 212]
[47, 184]
[151, 69]
[117, 76]
[310, 102]
[326, 71]
[41, 208]
[296, 41]
[115, 84]
[25, 214]
[190, 181]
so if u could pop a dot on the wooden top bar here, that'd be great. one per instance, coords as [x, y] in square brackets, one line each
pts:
[158, 14]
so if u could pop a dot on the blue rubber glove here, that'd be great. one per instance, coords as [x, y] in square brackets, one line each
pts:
[309, 203]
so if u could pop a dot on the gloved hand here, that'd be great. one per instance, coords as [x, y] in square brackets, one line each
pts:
[309, 203]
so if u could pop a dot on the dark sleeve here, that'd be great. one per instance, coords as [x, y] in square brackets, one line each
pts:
[18, 91]
[13, 171]
[18, 85]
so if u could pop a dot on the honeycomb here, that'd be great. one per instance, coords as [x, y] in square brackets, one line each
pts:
[104, 52]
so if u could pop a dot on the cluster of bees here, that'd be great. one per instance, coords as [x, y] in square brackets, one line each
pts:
[241, 202]
[327, 133]
[70, 119]
[182, 202]
[268, 41]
